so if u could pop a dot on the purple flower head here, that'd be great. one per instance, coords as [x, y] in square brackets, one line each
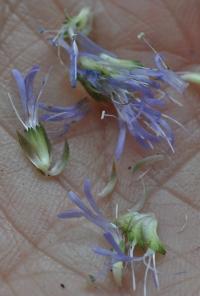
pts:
[138, 93]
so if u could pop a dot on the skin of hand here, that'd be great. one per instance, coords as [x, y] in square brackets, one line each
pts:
[42, 255]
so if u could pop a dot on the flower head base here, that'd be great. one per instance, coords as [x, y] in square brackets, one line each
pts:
[141, 229]
[122, 235]
[34, 142]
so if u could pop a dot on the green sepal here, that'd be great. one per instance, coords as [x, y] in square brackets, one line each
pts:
[59, 166]
[37, 148]
[78, 23]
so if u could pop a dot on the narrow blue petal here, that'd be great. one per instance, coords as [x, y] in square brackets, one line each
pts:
[62, 116]
[29, 80]
[154, 102]
[102, 251]
[21, 88]
[75, 199]
[68, 114]
[81, 105]
[88, 194]
[108, 236]
[121, 140]
[169, 76]
[70, 214]
[115, 256]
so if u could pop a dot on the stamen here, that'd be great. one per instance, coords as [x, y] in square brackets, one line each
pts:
[146, 274]
[132, 267]
[141, 36]
[175, 101]
[175, 121]
[104, 114]
[155, 271]
[150, 145]
[16, 112]
[116, 211]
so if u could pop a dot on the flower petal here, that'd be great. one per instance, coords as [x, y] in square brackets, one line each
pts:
[29, 79]
[121, 140]
[169, 76]
[88, 194]
[73, 63]
[70, 214]
[21, 87]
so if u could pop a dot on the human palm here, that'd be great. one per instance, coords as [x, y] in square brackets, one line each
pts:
[42, 255]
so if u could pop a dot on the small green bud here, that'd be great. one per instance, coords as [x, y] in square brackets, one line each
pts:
[142, 230]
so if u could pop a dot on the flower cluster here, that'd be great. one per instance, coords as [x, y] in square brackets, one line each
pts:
[123, 235]
[136, 91]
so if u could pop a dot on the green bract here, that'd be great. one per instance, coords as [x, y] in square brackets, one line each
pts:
[37, 148]
[141, 229]
[80, 23]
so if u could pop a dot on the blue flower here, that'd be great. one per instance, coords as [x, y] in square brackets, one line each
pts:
[110, 230]
[137, 92]
[34, 141]
[123, 235]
